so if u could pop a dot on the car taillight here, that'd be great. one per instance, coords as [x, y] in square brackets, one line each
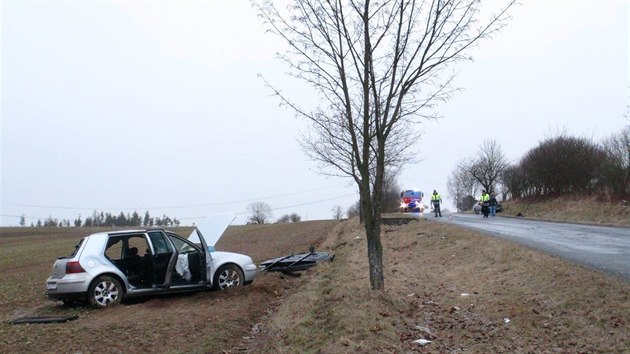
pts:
[74, 267]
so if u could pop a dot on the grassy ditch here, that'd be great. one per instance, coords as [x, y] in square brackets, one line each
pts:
[458, 289]
[575, 209]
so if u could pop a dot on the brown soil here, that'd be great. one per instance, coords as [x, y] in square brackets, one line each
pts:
[204, 322]
[458, 289]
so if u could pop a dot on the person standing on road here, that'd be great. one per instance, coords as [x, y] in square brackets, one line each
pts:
[493, 205]
[436, 200]
[485, 203]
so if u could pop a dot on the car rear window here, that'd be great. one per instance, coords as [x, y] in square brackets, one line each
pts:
[114, 249]
[74, 253]
[76, 248]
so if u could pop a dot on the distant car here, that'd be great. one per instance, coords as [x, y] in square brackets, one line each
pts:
[105, 268]
[477, 208]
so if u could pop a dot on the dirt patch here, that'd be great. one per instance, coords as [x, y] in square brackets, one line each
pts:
[199, 322]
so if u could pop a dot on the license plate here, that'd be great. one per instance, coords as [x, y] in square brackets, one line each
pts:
[51, 286]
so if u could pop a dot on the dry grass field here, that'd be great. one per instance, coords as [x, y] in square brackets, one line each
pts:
[204, 322]
[463, 291]
[572, 209]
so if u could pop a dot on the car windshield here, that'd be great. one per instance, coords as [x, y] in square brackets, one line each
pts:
[411, 194]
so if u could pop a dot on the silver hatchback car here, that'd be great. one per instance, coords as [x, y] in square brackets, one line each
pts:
[106, 267]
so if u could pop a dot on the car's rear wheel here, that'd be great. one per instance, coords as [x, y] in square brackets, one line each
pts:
[105, 291]
[227, 276]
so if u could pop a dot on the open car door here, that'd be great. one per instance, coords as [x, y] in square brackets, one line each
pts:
[208, 232]
[163, 258]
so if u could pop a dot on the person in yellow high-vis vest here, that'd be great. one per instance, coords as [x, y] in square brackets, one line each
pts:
[485, 203]
[436, 200]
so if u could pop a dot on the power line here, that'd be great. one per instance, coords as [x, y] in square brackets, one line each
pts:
[25, 217]
[167, 207]
[309, 203]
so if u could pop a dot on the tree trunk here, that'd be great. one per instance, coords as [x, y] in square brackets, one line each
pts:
[361, 212]
[372, 225]
[371, 210]
[375, 252]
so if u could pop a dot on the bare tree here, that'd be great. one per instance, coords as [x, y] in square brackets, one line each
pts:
[337, 212]
[261, 212]
[378, 68]
[391, 193]
[353, 210]
[488, 166]
[461, 185]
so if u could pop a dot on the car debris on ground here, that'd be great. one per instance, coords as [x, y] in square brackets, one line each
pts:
[43, 319]
[295, 262]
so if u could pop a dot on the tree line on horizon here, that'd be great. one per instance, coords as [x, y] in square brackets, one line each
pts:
[560, 165]
[103, 219]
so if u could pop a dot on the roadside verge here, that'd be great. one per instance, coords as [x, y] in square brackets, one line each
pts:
[455, 288]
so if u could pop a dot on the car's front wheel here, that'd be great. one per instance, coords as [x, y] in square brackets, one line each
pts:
[105, 291]
[227, 276]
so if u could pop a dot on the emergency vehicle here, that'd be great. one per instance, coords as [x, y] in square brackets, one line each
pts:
[411, 201]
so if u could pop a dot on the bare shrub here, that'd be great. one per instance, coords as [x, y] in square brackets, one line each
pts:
[514, 182]
[616, 166]
[337, 212]
[391, 193]
[562, 165]
[286, 218]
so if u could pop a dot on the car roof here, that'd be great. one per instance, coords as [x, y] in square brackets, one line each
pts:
[115, 233]
[124, 231]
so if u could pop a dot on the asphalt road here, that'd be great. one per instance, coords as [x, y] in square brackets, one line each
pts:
[600, 247]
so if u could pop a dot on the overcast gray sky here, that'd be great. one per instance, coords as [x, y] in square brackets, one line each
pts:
[145, 105]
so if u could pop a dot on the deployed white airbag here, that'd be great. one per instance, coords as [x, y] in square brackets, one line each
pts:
[181, 267]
